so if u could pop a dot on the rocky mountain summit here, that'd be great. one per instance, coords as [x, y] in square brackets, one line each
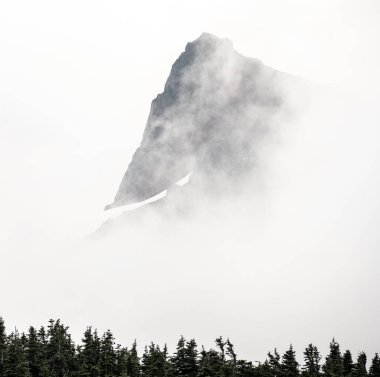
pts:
[216, 108]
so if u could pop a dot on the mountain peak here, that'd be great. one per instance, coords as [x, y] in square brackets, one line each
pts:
[215, 108]
[211, 39]
[207, 44]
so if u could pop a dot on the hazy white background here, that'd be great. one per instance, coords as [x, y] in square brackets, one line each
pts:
[76, 82]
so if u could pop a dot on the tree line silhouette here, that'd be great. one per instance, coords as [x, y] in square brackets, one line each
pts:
[50, 352]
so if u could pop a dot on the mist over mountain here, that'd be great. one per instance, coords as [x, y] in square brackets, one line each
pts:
[274, 240]
[216, 112]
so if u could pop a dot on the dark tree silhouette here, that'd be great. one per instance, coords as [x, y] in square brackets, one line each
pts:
[50, 352]
[312, 359]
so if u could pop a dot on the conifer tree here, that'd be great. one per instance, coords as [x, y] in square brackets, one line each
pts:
[312, 359]
[202, 363]
[210, 364]
[274, 363]
[221, 344]
[374, 370]
[246, 369]
[43, 359]
[89, 354]
[348, 364]
[289, 364]
[179, 359]
[145, 362]
[184, 360]
[191, 357]
[3, 343]
[107, 355]
[264, 369]
[16, 364]
[230, 370]
[60, 350]
[121, 361]
[154, 362]
[33, 352]
[333, 366]
[360, 369]
[133, 362]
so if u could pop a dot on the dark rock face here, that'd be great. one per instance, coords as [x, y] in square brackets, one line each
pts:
[217, 106]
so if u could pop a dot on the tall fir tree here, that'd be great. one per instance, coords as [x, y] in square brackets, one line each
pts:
[34, 352]
[374, 370]
[121, 361]
[89, 354]
[3, 344]
[333, 366]
[231, 365]
[60, 350]
[312, 359]
[274, 364]
[133, 362]
[107, 355]
[246, 369]
[16, 364]
[154, 362]
[289, 364]
[264, 369]
[43, 356]
[184, 360]
[348, 364]
[210, 364]
[191, 356]
[360, 369]
[178, 360]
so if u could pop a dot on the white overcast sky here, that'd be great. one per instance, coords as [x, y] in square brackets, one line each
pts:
[77, 79]
[76, 82]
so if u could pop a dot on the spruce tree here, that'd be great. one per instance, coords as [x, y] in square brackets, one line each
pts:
[333, 366]
[34, 352]
[89, 354]
[374, 370]
[154, 362]
[221, 344]
[274, 363]
[312, 359]
[348, 364]
[17, 363]
[210, 364]
[184, 360]
[246, 369]
[289, 364]
[60, 350]
[191, 357]
[179, 359]
[3, 344]
[43, 359]
[231, 367]
[264, 369]
[107, 355]
[121, 361]
[133, 362]
[360, 369]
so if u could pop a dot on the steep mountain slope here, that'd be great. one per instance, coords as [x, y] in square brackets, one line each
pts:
[216, 108]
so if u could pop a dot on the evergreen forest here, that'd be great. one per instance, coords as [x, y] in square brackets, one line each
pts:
[50, 352]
